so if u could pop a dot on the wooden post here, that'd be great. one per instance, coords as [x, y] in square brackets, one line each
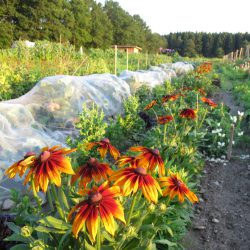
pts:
[230, 145]
[138, 64]
[127, 57]
[115, 59]
[240, 54]
[146, 60]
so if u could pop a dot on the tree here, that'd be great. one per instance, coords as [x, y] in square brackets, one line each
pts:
[189, 48]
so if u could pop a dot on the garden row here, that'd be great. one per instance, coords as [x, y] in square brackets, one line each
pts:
[128, 181]
[22, 67]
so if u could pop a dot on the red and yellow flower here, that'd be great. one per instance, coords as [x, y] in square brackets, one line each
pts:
[100, 203]
[188, 113]
[209, 102]
[21, 166]
[132, 179]
[151, 105]
[48, 166]
[164, 119]
[130, 160]
[171, 98]
[92, 170]
[150, 159]
[103, 147]
[176, 187]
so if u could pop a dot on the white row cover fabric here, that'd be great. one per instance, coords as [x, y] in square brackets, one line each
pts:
[45, 115]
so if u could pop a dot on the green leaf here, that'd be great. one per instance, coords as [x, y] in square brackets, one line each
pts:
[53, 222]
[11, 225]
[20, 247]
[166, 227]
[88, 246]
[17, 237]
[44, 229]
[166, 242]
[63, 199]
[64, 238]
[107, 236]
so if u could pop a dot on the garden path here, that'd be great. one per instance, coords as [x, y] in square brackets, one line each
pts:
[222, 218]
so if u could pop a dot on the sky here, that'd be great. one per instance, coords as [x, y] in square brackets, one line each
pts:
[165, 16]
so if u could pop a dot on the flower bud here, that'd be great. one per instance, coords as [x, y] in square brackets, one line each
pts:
[151, 208]
[162, 207]
[26, 231]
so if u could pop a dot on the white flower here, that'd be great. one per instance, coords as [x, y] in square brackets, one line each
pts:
[233, 142]
[223, 135]
[240, 113]
[240, 133]
[233, 119]
[221, 144]
[218, 124]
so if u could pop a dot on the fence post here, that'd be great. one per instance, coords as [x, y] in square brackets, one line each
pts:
[115, 59]
[146, 60]
[138, 64]
[127, 57]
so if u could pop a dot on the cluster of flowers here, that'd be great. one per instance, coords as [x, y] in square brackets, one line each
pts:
[204, 68]
[184, 113]
[99, 184]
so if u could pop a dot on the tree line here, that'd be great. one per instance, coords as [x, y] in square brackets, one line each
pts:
[206, 44]
[80, 22]
[93, 25]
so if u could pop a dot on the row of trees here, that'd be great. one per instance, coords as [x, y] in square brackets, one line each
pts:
[206, 44]
[81, 22]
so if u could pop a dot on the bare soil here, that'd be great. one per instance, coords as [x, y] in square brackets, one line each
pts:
[222, 218]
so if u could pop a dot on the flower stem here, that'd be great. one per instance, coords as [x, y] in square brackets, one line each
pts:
[35, 194]
[50, 199]
[164, 134]
[203, 118]
[59, 209]
[98, 241]
[131, 209]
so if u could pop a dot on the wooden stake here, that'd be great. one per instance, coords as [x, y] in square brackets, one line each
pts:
[230, 145]
[115, 59]
[127, 58]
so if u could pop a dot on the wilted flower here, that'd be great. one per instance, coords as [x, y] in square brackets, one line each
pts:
[132, 179]
[188, 113]
[150, 105]
[100, 203]
[103, 146]
[92, 170]
[150, 158]
[176, 187]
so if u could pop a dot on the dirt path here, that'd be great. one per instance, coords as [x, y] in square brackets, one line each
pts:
[222, 218]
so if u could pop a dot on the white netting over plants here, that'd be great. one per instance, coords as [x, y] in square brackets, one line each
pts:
[45, 116]
[182, 68]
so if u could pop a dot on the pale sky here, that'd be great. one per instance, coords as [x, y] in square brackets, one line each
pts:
[165, 16]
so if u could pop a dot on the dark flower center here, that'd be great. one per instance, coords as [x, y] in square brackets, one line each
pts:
[156, 151]
[92, 161]
[28, 154]
[141, 171]
[177, 182]
[105, 140]
[95, 197]
[45, 156]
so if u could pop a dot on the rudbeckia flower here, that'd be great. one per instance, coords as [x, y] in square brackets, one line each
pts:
[150, 158]
[48, 166]
[132, 179]
[21, 166]
[124, 160]
[188, 113]
[164, 119]
[92, 170]
[103, 146]
[100, 202]
[172, 97]
[209, 102]
[176, 187]
[150, 105]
